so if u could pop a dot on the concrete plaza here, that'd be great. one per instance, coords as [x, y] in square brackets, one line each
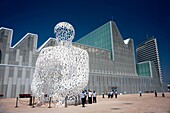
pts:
[129, 103]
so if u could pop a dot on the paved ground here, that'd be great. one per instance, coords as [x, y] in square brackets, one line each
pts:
[129, 103]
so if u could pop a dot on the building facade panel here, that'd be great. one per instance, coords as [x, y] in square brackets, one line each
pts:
[9, 87]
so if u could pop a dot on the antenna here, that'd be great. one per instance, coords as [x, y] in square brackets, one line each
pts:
[112, 18]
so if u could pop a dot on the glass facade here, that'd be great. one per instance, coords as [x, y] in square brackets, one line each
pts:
[99, 59]
[100, 38]
[143, 69]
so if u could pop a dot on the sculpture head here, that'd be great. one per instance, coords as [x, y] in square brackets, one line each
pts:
[64, 32]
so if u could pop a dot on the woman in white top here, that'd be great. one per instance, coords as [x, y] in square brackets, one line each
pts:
[90, 97]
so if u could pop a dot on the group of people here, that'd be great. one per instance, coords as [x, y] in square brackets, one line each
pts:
[163, 95]
[91, 96]
[155, 92]
[110, 94]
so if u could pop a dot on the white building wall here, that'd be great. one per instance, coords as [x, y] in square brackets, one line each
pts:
[23, 76]
[17, 55]
[6, 58]
[18, 88]
[15, 75]
[9, 88]
[6, 75]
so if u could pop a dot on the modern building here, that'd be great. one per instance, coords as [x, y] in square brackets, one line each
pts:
[112, 62]
[148, 51]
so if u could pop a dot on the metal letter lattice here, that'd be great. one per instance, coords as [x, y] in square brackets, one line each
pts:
[62, 70]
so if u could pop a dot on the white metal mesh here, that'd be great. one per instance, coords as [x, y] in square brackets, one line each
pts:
[61, 70]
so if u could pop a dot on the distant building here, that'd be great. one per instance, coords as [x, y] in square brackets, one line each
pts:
[148, 51]
[112, 62]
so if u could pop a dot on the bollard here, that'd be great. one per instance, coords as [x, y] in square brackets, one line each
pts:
[49, 103]
[66, 102]
[16, 102]
[75, 100]
[78, 99]
[33, 102]
[30, 103]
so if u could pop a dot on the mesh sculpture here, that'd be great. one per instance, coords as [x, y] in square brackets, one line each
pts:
[62, 70]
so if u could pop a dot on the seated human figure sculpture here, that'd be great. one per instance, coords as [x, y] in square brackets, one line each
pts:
[61, 70]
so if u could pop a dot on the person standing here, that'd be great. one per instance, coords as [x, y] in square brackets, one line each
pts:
[85, 92]
[108, 94]
[163, 95]
[111, 94]
[94, 97]
[116, 94]
[90, 97]
[83, 98]
[155, 93]
[140, 93]
[103, 94]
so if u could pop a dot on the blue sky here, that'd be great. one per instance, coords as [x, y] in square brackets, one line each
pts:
[134, 18]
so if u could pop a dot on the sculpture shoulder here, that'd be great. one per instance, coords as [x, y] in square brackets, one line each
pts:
[47, 50]
[82, 51]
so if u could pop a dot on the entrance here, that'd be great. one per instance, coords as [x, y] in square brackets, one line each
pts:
[114, 89]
